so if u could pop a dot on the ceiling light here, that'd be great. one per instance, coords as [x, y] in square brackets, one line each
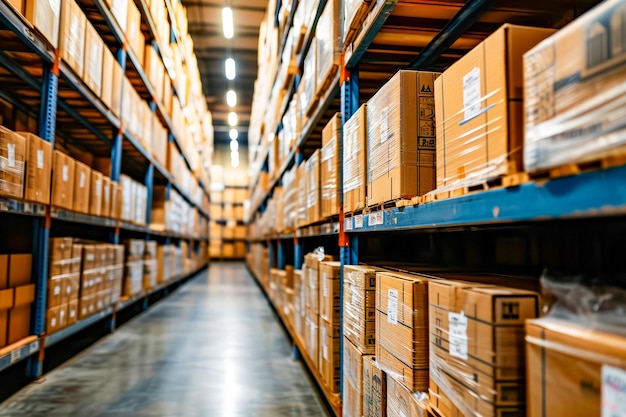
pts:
[234, 163]
[232, 119]
[233, 134]
[227, 22]
[234, 145]
[230, 69]
[231, 98]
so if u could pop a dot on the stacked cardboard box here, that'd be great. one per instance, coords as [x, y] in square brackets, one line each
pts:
[374, 388]
[299, 302]
[328, 37]
[134, 201]
[330, 166]
[329, 336]
[72, 36]
[38, 169]
[16, 296]
[45, 15]
[352, 380]
[477, 347]
[312, 180]
[150, 265]
[355, 161]
[134, 267]
[401, 402]
[63, 283]
[12, 168]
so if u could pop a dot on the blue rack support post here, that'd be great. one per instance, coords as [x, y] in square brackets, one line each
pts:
[149, 182]
[280, 255]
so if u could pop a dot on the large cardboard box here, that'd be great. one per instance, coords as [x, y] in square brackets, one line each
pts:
[94, 47]
[402, 327]
[62, 181]
[479, 108]
[12, 168]
[400, 401]
[573, 84]
[359, 306]
[105, 209]
[374, 388]
[330, 166]
[312, 174]
[19, 315]
[311, 292]
[574, 370]
[56, 318]
[96, 193]
[72, 312]
[111, 82]
[355, 161]
[72, 36]
[82, 188]
[329, 354]
[38, 168]
[328, 37]
[401, 138]
[20, 269]
[352, 380]
[329, 304]
[45, 15]
[120, 11]
[311, 337]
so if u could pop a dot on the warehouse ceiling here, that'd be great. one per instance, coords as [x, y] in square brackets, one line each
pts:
[212, 49]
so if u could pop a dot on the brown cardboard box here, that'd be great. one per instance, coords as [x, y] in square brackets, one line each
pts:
[86, 306]
[92, 68]
[311, 337]
[45, 15]
[18, 5]
[72, 35]
[20, 267]
[402, 327]
[571, 361]
[4, 271]
[352, 380]
[62, 181]
[13, 151]
[95, 194]
[82, 187]
[6, 302]
[60, 248]
[374, 388]
[329, 167]
[359, 311]
[38, 168]
[328, 38]
[311, 279]
[399, 166]
[71, 287]
[76, 258]
[329, 304]
[57, 318]
[7, 298]
[55, 291]
[116, 201]
[355, 161]
[312, 175]
[480, 95]
[72, 312]
[329, 354]
[19, 315]
[400, 401]
[105, 209]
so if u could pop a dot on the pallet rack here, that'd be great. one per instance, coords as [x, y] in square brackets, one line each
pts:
[430, 35]
[37, 82]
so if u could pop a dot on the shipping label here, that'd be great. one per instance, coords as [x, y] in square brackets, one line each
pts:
[392, 306]
[458, 335]
[613, 392]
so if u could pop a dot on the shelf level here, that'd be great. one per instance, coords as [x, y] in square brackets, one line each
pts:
[17, 352]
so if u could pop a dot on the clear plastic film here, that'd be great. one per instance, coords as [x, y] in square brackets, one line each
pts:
[575, 99]
[350, 10]
[399, 166]
[12, 163]
[352, 397]
[401, 402]
[355, 160]
[374, 388]
[329, 167]
[328, 35]
[308, 80]
[290, 197]
[302, 213]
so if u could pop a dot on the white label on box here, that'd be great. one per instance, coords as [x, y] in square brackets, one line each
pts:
[613, 392]
[325, 344]
[392, 306]
[347, 224]
[324, 285]
[68, 290]
[72, 314]
[471, 94]
[65, 173]
[374, 219]
[53, 322]
[57, 290]
[98, 187]
[384, 126]
[358, 221]
[458, 335]
[11, 151]
[81, 181]
[61, 315]
[40, 159]
[16, 355]
[90, 257]
[34, 347]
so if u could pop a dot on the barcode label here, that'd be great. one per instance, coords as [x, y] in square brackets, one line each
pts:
[358, 221]
[392, 306]
[16, 355]
[458, 335]
[374, 219]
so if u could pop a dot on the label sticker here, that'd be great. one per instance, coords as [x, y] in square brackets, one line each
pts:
[613, 392]
[358, 221]
[53, 322]
[40, 159]
[471, 93]
[11, 151]
[324, 285]
[374, 219]
[65, 173]
[34, 347]
[81, 181]
[458, 335]
[57, 290]
[392, 306]
[347, 224]
[16, 355]
[68, 290]
[72, 314]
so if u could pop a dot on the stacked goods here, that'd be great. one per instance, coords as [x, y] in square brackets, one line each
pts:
[302, 213]
[82, 187]
[399, 166]
[72, 36]
[328, 36]
[16, 296]
[63, 283]
[38, 168]
[401, 402]
[12, 167]
[573, 109]
[374, 388]
[352, 380]
[134, 201]
[354, 12]
[150, 265]
[330, 166]
[299, 302]
[63, 181]
[355, 161]
[134, 267]
[290, 199]
[479, 109]
[477, 364]
[312, 179]
[329, 336]
[45, 15]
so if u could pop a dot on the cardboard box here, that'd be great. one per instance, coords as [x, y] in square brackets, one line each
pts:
[82, 188]
[399, 166]
[116, 201]
[120, 11]
[311, 337]
[38, 168]
[62, 181]
[72, 36]
[19, 315]
[400, 401]
[329, 167]
[4, 271]
[92, 71]
[311, 277]
[573, 83]
[45, 15]
[402, 327]
[359, 306]
[328, 37]
[480, 97]
[355, 161]
[72, 312]
[105, 208]
[329, 354]
[352, 380]
[573, 361]
[374, 388]
[329, 304]
[13, 151]
[96, 194]
[70, 287]
[55, 291]
[312, 175]
[56, 318]
[20, 269]
[60, 248]
[111, 82]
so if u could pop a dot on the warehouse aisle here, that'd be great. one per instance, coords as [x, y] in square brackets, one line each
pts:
[213, 349]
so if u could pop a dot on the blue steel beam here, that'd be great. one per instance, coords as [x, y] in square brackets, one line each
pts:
[48, 108]
[149, 183]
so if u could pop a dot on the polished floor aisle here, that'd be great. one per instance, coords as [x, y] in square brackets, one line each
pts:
[212, 349]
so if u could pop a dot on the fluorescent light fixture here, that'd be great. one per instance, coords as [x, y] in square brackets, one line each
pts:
[234, 163]
[231, 98]
[230, 69]
[227, 22]
[234, 145]
[232, 119]
[233, 134]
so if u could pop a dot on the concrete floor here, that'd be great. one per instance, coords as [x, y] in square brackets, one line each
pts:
[212, 349]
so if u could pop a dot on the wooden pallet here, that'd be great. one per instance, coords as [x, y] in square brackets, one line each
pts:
[567, 170]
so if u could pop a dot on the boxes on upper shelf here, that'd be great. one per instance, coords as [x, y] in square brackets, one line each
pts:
[312, 175]
[72, 36]
[330, 166]
[92, 67]
[45, 15]
[82, 188]
[12, 163]
[328, 37]
[38, 169]
[355, 161]
[62, 181]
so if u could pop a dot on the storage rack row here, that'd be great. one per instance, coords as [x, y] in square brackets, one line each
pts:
[430, 35]
[37, 82]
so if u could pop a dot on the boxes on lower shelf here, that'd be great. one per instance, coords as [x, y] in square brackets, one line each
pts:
[374, 388]
[352, 380]
[16, 296]
[329, 355]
